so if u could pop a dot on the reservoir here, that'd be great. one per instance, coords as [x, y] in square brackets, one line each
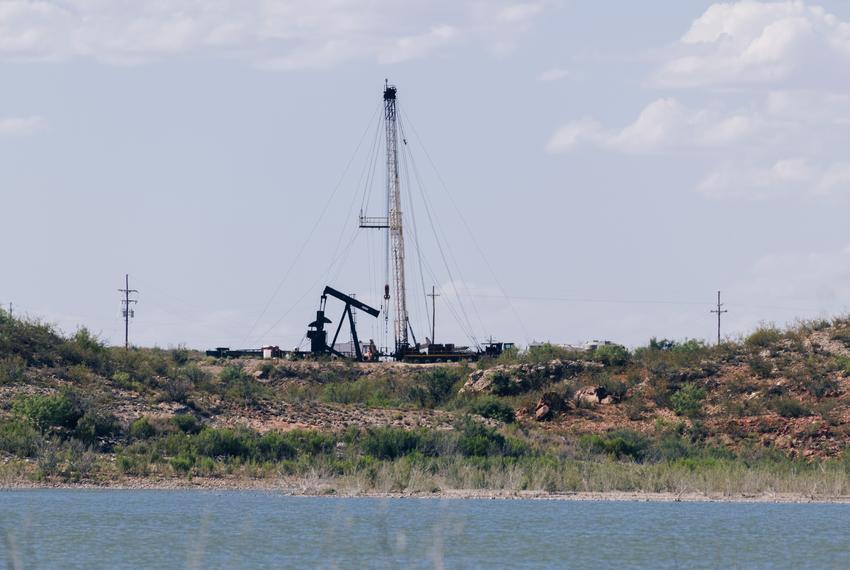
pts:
[257, 529]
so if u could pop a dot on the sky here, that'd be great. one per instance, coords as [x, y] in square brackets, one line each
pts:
[591, 170]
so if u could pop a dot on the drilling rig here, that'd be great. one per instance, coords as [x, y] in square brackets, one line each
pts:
[392, 222]
[405, 346]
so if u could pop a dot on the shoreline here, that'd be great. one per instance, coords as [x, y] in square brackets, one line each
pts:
[328, 491]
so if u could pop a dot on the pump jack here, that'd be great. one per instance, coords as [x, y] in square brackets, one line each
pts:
[319, 336]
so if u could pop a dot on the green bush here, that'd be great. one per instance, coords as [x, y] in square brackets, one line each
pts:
[12, 369]
[546, 352]
[616, 388]
[687, 401]
[182, 463]
[84, 348]
[95, 424]
[132, 464]
[389, 443]
[19, 438]
[223, 443]
[240, 386]
[764, 337]
[788, 407]
[142, 428]
[761, 367]
[436, 385]
[478, 441]
[35, 342]
[619, 443]
[44, 412]
[612, 355]
[274, 446]
[493, 408]
[311, 442]
[373, 392]
[186, 423]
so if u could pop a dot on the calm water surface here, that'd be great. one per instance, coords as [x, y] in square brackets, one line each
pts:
[206, 529]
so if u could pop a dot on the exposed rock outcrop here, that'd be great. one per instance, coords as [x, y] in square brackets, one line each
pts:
[505, 380]
[550, 404]
[593, 395]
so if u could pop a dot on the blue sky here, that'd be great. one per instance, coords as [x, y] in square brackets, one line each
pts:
[616, 163]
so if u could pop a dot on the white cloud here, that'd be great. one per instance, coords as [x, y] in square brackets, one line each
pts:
[782, 178]
[274, 33]
[519, 12]
[664, 124]
[21, 126]
[553, 74]
[750, 42]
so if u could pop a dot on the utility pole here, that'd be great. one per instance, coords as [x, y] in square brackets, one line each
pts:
[433, 296]
[126, 311]
[719, 311]
[10, 309]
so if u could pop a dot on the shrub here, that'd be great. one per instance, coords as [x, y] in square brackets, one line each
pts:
[620, 443]
[662, 344]
[814, 380]
[311, 442]
[95, 424]
[186, 423]
[142, 428]
[132, 464]
[223, 442]
[35, 342]
[546, 352]
[478, 441]
[616, 388]
[503, 385]
[274, 446]
[764, 337]
[373, 392]
[231, 373]
[19, 438]
[180, 355]
[390, 443]
[182, 463]
[247, 390]
[439, 385]
[177, 390]
[195, 375]
[761, 367]
[493, 408]
[688, 401]
[788, 407]
[612, 355]
[55, 410]
[12, 369]
[85, 349]
[634, 408]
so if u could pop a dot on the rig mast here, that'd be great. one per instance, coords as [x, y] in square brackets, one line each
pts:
[393, 223]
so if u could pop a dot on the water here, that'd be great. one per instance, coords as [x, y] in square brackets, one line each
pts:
[207, 529]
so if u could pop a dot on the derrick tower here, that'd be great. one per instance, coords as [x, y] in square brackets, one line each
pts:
[393, 224]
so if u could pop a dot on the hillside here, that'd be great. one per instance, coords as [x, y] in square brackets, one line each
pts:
[768, 413]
